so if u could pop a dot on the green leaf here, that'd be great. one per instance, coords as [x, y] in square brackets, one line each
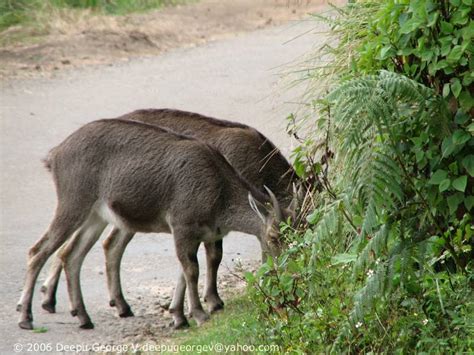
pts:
[469, 202]
[438, 176]
[292, 266]
[270, 262]
[466, 100]
[444, 185]
[460, 183]
[456, 87]
[419, 155]
[343, 259]
[249, 277]
[446, 27]
[470, 128]
[441, 64]
[461, 117]
[453, 168]
[468, 163]
[460, 137]
[446, 88]
[386, 52]
[454, 201]
[432, 18]
[445, 49]
[299, 168]
[467, 2]
[455, 54]
[460, 17]
[426, 55]
[447, 147]
[313, 217]
[411, 25]
[468, 32]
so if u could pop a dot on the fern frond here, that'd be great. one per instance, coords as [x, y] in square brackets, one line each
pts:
[376, 245]
[364, 298]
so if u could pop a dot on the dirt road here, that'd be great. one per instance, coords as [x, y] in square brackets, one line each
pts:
[236, 79]
[76, 39]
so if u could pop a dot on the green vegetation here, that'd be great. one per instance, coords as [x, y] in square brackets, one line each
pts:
[15, 12]
[40, 330]
[383, 259]
[237, 325]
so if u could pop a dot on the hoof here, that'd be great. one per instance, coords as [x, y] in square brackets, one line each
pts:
[182, 324]
[74, 312]
[216, 307]
[26, 324]
[112, 303]
[200, 317]
[51, 308]
[88, 325]
[127, 313]
[18, 307]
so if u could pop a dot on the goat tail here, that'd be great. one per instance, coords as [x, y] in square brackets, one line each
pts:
[47, 161]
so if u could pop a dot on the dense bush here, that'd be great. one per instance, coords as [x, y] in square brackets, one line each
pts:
[386, 259]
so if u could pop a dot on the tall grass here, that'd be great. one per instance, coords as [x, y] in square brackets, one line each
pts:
[16, 12]
[117, 7]
[13, 12]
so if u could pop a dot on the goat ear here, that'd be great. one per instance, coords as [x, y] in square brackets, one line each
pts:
[253, 206]
[299, 192]
[290, 213]
[298, 197]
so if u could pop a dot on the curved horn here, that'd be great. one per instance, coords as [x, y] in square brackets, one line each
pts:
[253, 206]
[275, 203]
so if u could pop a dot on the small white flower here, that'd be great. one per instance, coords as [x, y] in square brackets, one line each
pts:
[358, 325]
[377, 261]
[370, 273]
[425, 321]
[292, 244]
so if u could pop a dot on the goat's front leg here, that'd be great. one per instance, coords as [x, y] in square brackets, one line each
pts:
[186, 249]
[213, 260]
[177, 304]
[114, 247]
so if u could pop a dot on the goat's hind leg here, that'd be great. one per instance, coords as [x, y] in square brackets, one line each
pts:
[64, 224]
[50, 286]
[213, 260]
[73, 257]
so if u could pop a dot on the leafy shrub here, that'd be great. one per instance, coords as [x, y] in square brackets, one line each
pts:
[396, 190]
